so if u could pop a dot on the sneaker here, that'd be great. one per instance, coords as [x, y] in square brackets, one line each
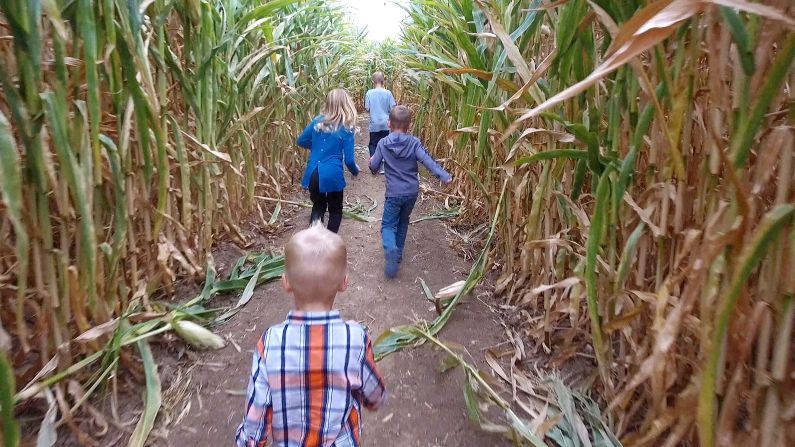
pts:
[391, 264]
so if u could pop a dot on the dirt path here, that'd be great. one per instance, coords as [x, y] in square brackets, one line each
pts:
[426, 407]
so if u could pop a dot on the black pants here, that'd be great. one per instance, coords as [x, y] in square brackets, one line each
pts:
[322, 201]
[375, 137]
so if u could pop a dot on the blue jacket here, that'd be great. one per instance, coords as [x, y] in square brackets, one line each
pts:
[327, 152]
[400, 153]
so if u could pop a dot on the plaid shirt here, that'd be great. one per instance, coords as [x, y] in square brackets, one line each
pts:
[309, 378]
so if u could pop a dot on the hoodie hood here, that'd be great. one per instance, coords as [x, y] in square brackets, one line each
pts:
[401, 145]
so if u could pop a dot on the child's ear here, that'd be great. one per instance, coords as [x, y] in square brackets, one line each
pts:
[286, 284]
[344, 285]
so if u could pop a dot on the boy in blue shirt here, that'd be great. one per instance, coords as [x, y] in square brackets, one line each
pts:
[400, 153]
[379, 102]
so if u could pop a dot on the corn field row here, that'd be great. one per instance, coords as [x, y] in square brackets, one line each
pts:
[134, 134]
[646, 152]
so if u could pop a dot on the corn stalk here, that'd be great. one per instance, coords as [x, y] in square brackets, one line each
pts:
[646, 148]
[133, 134]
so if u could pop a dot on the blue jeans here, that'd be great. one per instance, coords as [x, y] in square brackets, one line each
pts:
[395, 223]
[375, 137]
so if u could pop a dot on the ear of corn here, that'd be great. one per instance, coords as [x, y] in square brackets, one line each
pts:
[196, 335]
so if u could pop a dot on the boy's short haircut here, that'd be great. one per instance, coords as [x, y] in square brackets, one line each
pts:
[378, 78]
[400, 117]
[315, 261]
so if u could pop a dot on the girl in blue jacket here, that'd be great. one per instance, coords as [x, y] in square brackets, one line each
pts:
[329, 138]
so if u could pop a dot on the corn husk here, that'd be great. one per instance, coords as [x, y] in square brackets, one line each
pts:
[450, 291]
[196, 335]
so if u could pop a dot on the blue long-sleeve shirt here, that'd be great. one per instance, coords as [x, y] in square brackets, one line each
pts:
[328, 151]
[400, 153]
[379, 102]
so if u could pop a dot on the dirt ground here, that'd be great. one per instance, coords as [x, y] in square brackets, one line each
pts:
[426, 407]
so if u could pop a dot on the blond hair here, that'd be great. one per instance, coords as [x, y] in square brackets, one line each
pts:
[378, 78]
[316, 263]
[339, 111]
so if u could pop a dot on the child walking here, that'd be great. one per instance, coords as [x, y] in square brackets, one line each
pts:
[379, 102]
[400, 152]
[329, 137]
[312, 373]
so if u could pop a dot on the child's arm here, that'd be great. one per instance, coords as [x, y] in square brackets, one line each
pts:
[430, 163]
[373, 392]
[392, 102]
[376, 159]
[305, 139]
[367, 101]
[258, 420]
[347, 151]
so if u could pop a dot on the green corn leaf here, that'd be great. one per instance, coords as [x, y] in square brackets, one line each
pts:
[628, 255]
[152, 398]
[755, 250]
[267, 9]
[11, 189]
[741, 146]
[591, 140]
[55, 112]
[741, 38]
[579, 178]
[9, 425]
[598, 222]
[88, 33]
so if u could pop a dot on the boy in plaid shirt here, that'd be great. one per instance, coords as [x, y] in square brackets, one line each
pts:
[312, 373]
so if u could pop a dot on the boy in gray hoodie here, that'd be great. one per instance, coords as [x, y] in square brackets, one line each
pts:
[400, 153]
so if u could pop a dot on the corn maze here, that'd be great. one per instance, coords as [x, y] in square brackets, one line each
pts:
[634, 161]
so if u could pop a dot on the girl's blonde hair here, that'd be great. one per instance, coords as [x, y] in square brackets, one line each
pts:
[339, 111]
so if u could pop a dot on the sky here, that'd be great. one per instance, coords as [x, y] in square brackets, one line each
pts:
[381, 18]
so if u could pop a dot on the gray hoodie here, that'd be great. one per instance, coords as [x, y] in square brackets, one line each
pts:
[400, 153]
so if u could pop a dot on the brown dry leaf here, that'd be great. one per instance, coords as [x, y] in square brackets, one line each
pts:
[548, 425]
[759, 9]
[495, 366]
[505, 84]
[564, 284]
[554, 135]
[622, 321]
[218, 154]
[644, 215]
[636, 36]
[502, 283]
[542, 68]
[98, 331]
